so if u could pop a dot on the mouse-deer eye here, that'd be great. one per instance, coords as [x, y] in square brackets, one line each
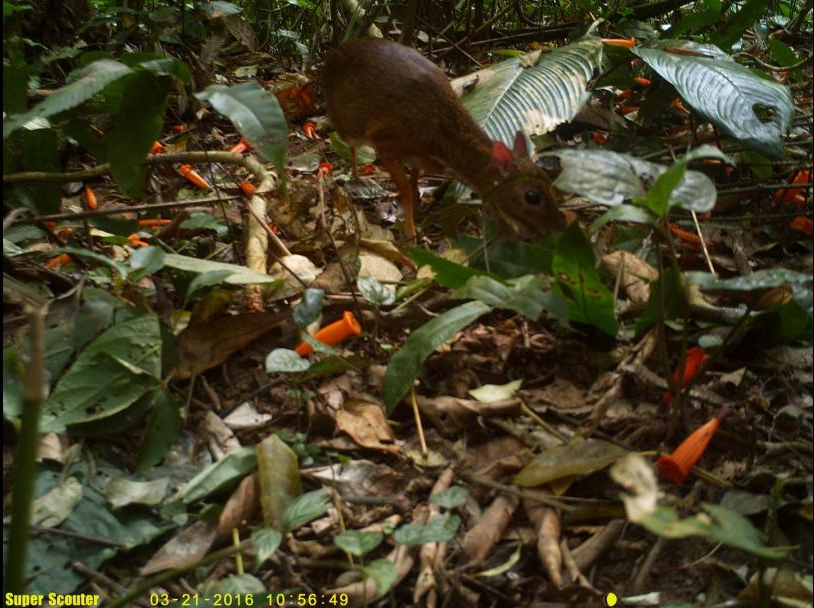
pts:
[533, 197]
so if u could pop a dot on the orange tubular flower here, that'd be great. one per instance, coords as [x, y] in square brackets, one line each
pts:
[247, 188]
[91, 198]
[325, 170]
[241, 147]
[193, 177]
[693, 362]
[676, 466]
[627, 43]
[802, 224]
[333, 334]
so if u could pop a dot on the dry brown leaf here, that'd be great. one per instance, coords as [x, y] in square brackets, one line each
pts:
[497, 457]
[636, 274]
[450, 415]
[202, 347]
[481, 539]
[220, 438]
[184, 549]
[367, 425]
[547, 524]
[239, 510]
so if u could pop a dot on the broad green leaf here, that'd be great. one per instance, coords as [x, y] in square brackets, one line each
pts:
[279, 478]
[705, 13]
[139, 122]
[511, 259]
[801, 284]
[117, 369]
[256, 114]
[226, 472]
[161, 431]
[528, 295]
[578, 458]
[610, 178]
[451, 497]
[623, 213]
[383, 572]
[672, 300]
[304, 508]
[307, 311]
[89, 82]
[373, 291]
[119, 267]
[589, 301]
[405, 365]
[204, 221]
[145, 261]
[447, 273]
[358, 543]
[204, 280]
[747, 15]
[238, 275]
[440, 529]
[726, 527]
[34, 149]
[658, 195]
[533, 93]
[285, 360]
[265, 542]
[727, 93]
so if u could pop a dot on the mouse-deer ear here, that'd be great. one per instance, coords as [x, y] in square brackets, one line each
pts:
[502, 158]
[520, 148]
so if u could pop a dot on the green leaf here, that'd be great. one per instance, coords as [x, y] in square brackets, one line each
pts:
[204, 280]
[589, 301]
[89, 82]
[307, 311]
[33, 150]
[161, 431]
[119, 267]
[622, 213]
[726, 527]
[528, 295]
[440, 529]
[139, 121]
[578, 458]
[204, 221]
[727, 94]
[358, 543]
[451, 497]
[146, 261]
[673, 301]
[305, 508]
[383, 572]
[744, 18]
[285, 360]
[239, 275]
[510, 259]
[279, 479]
[265, 542]
[405, 365]
[256, 114]
[447, 273]
[226, 472]
[658, 195]
[117, 369]
[373, 291]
